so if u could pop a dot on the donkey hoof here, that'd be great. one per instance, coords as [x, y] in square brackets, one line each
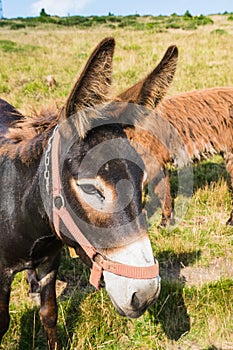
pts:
[163, 223]
[166, 221]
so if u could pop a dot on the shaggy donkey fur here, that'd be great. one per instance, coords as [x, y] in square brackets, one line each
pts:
[204, 122]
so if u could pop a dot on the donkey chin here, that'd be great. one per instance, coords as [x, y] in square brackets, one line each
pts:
[131, 297]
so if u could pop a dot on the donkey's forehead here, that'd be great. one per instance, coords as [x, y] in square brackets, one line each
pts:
[116, 169]
[106, 152]
[111, 166]
[105, 132]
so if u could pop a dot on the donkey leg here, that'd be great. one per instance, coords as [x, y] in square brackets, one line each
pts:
[229, 166]
[48, 309]
[163, 191]
[32, 281]
[5, 287]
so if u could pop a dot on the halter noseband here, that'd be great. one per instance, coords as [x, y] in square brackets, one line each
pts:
[99, 261]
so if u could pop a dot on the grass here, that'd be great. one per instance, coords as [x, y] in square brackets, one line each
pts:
[187, 315]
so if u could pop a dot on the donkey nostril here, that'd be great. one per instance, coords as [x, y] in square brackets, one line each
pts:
[135, 301]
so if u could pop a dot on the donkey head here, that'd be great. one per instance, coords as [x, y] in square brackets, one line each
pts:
[103, 176]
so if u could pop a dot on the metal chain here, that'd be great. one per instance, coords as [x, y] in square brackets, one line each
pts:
[47, 160]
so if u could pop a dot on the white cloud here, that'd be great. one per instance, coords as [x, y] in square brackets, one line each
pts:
[60, 8]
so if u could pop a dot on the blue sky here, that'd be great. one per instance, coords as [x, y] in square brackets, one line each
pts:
[25, 8]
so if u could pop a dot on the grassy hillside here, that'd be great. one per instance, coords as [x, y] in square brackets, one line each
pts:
[135, 22]
[198, 313]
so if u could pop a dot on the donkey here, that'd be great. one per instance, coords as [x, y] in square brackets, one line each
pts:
[203, 120]
[71, 177]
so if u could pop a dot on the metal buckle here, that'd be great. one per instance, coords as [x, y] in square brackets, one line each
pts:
[59, 201]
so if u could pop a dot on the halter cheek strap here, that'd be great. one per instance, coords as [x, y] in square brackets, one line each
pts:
[99, 261]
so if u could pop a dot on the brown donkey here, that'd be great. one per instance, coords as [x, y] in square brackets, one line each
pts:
[204, 121]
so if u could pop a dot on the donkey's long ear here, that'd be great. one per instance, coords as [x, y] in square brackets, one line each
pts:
[149, 91]
[93, 85]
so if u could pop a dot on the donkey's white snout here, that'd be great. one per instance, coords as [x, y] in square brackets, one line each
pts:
[130, 296]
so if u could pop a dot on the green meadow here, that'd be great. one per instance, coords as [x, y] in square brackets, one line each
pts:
[195, 307]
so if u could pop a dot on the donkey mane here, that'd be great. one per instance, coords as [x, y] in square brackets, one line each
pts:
[27, 137]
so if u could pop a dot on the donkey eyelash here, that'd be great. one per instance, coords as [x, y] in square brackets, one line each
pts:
[91, 190]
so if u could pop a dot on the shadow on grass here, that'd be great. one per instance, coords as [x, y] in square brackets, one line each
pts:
[203, 174]
[32, 334]
[184, 184]
[170, 310]
[72, 314]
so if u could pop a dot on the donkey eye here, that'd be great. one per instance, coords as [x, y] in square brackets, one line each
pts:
[89, 189]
